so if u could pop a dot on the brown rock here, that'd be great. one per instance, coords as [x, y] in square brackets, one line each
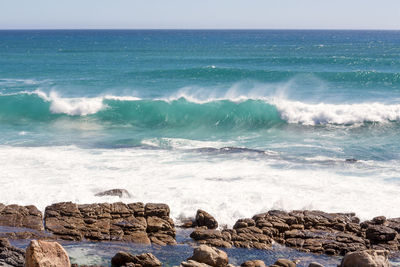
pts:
[205, 219]
[117, 221]
[367, 258]
[191, 263]
[142, 260]
[46, 254]
[285, 263]
[380, 233]
[253, 263]
[210, 256]
[21, 216]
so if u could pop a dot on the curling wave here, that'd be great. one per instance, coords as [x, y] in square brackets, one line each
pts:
[186, 111]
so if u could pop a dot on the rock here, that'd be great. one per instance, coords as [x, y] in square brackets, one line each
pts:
[132, 222]
[21, 216]
[122, 193]
[315, 264]
[9, 255]
[284, 263]
[209, 255]
[380, 233]
[142, 260]
[253, 263]
[367, 258]
[45, 254]
[191, 263]
[205, 219]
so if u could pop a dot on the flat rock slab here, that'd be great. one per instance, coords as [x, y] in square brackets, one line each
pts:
[21, 216]
[133, 222]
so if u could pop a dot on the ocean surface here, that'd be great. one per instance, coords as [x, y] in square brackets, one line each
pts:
[232, 122]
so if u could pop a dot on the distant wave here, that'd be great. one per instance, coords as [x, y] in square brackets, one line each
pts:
[188, 111]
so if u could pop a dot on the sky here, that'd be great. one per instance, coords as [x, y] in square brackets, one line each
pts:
[200, 14]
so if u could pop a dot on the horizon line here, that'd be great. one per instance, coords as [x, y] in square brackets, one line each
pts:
[199, 29]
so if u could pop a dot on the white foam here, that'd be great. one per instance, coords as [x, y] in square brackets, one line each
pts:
[180, 143]
[313, 114]
[230, 187]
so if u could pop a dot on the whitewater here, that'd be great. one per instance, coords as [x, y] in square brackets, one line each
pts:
[232, 122]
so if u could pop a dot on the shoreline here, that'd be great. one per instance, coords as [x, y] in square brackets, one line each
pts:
[148, 227]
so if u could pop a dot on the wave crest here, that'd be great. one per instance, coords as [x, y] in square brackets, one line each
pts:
[185, 110]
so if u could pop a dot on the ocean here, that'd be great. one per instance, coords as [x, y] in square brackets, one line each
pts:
[234, 122]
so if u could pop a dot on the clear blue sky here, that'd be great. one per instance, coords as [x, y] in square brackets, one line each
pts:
[201, 14]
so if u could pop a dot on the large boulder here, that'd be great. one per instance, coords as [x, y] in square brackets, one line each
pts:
[46, 254]
[9, 255]
[21, 216]
[367, 258]
[209, 255]
[205, 219]
[143, 260]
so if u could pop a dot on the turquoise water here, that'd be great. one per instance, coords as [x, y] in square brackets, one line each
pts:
[270, 116]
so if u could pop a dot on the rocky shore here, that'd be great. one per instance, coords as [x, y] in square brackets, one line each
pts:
[150, 224]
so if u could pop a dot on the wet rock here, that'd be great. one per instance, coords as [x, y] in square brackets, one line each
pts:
[367, 258]
[315, 264]
[111, 222]
[253, 263]
[121, 193]
[209, 255]
[10, 255]
[21, 216]
[284, 263]
[43, 253]
[142, 260]
[205, 219]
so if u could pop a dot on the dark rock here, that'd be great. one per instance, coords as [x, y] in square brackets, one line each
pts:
[115, 192]
[142, 260]
[11, 256]
[21, 216]
[315, 264]
[205, 219]
[380, 233]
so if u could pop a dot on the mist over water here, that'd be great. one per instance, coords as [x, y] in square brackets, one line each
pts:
[233, 122]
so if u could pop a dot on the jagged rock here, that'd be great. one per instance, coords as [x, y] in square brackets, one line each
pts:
[111, 222]
[253, 263]
[205, 219]
[284, 263]
[43, 253]
[142, 260]
[21, 216]
[10, 255]
[210, 256]
[122, 193]
[307, 231]
[367, 258]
